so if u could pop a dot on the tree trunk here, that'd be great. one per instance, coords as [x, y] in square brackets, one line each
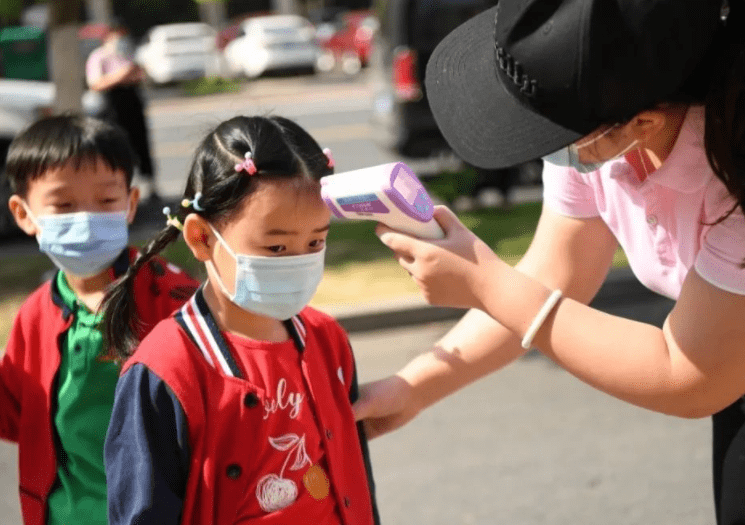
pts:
[213, 13]
[66, 63]
[100, 11]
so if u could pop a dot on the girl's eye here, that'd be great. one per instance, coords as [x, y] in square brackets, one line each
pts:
[62, 205]
[277, 249]
[316, 243]
[108, 201]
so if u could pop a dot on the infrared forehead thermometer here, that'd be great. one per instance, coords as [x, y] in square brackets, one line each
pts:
[388, 193]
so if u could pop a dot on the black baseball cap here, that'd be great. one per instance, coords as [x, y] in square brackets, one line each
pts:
[527, 77]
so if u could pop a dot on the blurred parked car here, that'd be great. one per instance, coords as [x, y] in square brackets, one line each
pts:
[349, 45]
[409, 32]
[173, 52]
[272, 43]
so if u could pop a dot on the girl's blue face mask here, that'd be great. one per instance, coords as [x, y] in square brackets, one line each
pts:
[277, 287]
[568, 156]
[83, 243]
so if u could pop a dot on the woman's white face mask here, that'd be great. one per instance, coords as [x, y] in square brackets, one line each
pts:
[568, 156]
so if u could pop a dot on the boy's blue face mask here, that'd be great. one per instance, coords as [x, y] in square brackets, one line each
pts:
[277, 287]
[83, 243]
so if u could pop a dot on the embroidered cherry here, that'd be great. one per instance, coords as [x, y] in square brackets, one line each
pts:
[275, 492]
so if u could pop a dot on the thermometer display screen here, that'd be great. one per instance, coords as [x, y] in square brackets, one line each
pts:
[407, 186]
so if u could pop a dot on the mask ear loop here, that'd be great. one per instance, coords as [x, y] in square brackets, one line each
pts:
[212, 266]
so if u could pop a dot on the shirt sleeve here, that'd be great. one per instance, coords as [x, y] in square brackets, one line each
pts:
[10, 385]
[146, 452]
[567, 192]
[722, 254]
[354, 394]
[93, 67]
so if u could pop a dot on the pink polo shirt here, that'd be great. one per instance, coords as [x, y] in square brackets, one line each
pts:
[661, 221]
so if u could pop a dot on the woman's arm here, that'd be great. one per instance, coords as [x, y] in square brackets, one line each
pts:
[146, 452]
[693, 367]
[129, 74]
[567, 253]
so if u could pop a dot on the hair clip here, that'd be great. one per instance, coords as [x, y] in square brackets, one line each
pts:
[172, 220]
[327, 152]
[247, 165]
[194, 202]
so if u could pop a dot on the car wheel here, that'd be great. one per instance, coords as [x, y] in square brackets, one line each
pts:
[351, 63]
[325, 61]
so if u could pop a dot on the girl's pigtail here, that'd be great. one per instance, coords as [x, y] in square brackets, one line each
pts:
[121, 322]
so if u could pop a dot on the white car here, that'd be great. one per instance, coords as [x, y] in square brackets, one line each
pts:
[179, 52]
[273, 42]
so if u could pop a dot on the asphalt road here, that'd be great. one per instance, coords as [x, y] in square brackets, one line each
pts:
[335, 110]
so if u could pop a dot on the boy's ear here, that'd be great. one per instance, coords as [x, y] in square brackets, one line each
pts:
[134, 200]
[21, 216]
[198, 236]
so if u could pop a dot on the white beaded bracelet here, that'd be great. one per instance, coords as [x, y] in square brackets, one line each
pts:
[540, 318]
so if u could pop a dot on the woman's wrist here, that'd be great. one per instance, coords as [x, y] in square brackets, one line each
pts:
[513, 298]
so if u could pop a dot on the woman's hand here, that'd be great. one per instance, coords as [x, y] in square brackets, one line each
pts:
[385, 405]
[451, 271]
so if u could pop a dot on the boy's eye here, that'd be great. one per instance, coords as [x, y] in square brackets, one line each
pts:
[277, 249]
[62, 205]
[317, 243]
[108, 201]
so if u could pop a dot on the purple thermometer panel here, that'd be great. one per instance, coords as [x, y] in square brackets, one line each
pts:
[408, 194]
[330, 204]
[367, 203]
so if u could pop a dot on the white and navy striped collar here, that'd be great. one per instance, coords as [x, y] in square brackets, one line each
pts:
[197, 321]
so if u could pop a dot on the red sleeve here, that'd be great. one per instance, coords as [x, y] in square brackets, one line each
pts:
[160, 289]
[10, 382]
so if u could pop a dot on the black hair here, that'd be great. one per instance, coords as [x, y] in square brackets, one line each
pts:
[54, 142]
[718, 83]
[724, 135]
[281, 149]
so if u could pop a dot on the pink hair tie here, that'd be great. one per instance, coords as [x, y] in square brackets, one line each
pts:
[327, 152]
[247, 165]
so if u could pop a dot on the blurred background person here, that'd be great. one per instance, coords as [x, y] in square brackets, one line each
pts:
[111, 70]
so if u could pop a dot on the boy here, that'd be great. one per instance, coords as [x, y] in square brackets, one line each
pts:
[71, 178]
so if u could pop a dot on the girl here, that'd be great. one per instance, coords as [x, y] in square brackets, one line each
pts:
[238, 408]
[638, 109]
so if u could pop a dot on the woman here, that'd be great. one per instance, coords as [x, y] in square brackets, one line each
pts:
[638, 111]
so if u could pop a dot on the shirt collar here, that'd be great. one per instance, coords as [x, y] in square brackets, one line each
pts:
[686, 169]
[65, 298]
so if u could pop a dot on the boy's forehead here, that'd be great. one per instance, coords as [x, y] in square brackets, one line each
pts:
[85, 173]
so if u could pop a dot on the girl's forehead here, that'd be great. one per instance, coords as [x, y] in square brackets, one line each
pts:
[284, 205]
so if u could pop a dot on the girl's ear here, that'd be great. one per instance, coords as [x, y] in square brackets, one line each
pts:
[21, 216]
[198, 236]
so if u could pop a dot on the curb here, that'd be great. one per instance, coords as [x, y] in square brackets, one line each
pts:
[620, 293]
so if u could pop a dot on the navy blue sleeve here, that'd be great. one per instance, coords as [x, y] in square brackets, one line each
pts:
[354, 394]
[146, 452]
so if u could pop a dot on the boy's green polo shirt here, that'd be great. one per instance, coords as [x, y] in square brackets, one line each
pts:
[81, 414]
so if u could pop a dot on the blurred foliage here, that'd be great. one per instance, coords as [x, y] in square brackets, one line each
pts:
[209, 86]
[450, 184]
